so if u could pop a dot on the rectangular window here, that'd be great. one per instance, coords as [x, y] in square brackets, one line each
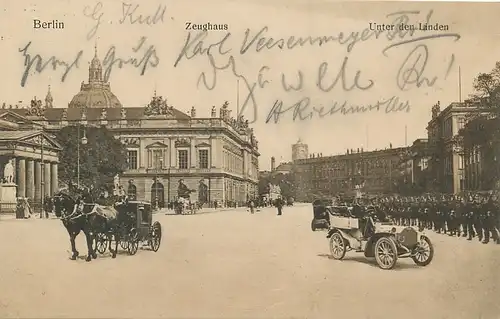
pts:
[132, 159]
[183, 159]
[203, 158]
[460, 162]
[461, 123]
[157, 158]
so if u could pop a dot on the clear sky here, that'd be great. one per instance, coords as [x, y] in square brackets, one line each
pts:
[165, 36]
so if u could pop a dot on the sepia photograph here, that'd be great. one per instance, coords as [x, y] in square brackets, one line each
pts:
[249, 159]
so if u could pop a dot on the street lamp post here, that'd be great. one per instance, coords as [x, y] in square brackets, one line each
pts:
[42, 176]
[84, 142]
[158, 167]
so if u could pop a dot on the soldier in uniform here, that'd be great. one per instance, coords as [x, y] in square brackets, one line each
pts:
[462, 215]
[469, 207]
[488, 221]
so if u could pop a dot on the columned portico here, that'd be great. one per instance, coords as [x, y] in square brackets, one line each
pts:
[24, 150]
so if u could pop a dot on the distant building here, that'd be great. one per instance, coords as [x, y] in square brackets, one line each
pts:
[356, 171]
[299, 151]
[284, 168]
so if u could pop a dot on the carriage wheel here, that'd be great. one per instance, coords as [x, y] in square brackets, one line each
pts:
[101, 243]
[155, 236]
[124, 244]
[133, 241]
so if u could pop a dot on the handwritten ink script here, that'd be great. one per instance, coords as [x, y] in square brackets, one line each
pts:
[146, 57]
[345, 76]
[149, 58]
[131, 13]
[38, 64]
[95, 14]
[302, 110]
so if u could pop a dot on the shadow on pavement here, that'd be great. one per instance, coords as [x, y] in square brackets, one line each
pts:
[370, 261]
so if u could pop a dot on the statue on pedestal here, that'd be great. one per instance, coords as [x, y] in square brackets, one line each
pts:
[8, 172]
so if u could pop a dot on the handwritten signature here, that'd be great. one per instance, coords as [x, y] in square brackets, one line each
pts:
[38, 64]
[302, 110]
[148, 59]
[262, 41]
[129, 13]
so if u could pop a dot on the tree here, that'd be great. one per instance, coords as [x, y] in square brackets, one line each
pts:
[101, 158]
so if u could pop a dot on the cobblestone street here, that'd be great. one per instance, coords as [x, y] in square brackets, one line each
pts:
[232, 264]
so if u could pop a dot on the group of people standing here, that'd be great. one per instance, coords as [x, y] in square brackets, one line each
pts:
[279, 203]
[470, 215]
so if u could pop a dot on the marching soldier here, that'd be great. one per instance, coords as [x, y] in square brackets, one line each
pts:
[488, 221]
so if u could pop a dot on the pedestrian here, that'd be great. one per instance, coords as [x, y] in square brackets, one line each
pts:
[251, 205]
[279, 205]
[27, 208]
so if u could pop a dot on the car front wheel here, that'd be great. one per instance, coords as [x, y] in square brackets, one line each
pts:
[386, 253]
[424, 252]
[337, 246]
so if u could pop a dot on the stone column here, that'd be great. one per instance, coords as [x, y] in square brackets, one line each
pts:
[213, 152]
[54, 181]
[21, 178]
[38, 181]
[30, 179]
[173, 154]
[14, 164]
[46, 180]
[193, 153]
[141, 157]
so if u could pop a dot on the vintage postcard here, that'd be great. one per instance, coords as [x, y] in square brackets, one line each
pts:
[249, 159]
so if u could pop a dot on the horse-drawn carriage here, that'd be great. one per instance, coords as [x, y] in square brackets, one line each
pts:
[127, 223]
[134, 225]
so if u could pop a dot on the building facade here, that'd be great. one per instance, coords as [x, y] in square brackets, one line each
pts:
[448, 163]
[215, 155]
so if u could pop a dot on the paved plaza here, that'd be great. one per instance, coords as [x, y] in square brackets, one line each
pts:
[232, 264]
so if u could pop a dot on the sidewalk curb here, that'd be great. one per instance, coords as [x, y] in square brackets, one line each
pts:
[202, 212]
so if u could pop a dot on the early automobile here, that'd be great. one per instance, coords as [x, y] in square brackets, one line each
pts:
[382, 240]
[134, 225]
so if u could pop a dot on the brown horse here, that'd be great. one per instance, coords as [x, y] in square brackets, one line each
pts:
[77, 217]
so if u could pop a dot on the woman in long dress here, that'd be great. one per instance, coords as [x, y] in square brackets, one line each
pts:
[27, 208]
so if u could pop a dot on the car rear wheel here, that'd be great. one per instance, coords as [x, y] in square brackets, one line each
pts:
[337, 246]
[386, 253]
[313, 226]
[424, 252]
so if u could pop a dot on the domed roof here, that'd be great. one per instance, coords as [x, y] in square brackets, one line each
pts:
[96, 93]
[93, 96]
